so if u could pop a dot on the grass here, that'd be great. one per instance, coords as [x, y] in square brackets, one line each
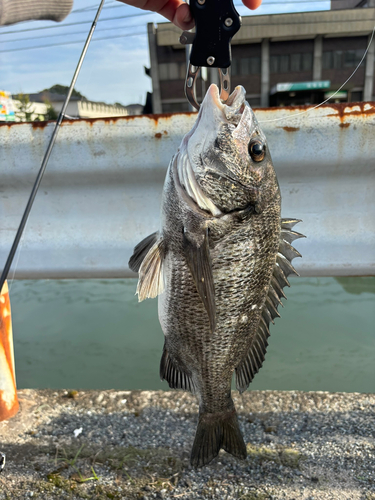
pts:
[282, 455]
[256, 495]
[71, 462]
[134, 469]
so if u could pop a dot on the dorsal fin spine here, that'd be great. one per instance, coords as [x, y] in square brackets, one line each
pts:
[285, 265]
[277, 288]
[274, 296]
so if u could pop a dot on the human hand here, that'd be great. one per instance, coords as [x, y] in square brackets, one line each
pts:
[177, 11]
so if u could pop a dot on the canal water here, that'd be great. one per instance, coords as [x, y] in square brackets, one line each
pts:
[93, 334]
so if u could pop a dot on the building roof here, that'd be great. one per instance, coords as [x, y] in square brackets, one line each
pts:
[51, 97]
[54, 97]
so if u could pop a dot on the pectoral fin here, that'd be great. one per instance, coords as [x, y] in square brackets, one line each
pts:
[198, 258]
[141, 250]
[150, 283]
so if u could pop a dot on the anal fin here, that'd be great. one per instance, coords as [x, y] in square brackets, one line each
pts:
[176, 377]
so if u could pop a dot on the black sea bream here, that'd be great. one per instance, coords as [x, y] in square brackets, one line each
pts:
[219, 264]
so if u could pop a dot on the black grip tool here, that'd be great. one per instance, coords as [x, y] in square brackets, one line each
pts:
[216, 21]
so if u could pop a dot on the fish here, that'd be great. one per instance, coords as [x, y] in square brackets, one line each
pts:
[218, 265]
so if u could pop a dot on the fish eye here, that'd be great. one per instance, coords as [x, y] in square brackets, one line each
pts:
[257, 150]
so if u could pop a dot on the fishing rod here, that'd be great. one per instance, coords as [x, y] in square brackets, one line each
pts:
[48, 152]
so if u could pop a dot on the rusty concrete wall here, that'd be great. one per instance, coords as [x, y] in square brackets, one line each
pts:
[102, 189]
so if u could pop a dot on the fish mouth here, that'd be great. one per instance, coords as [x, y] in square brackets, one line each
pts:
[232, 110]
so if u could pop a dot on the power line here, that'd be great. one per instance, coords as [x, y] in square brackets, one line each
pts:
[272, 2]
[296, 2]
[138, 14]
[87, 9]
[171, 29]
[174, 29]
[71, 43]
[134, 34]
[70, 33]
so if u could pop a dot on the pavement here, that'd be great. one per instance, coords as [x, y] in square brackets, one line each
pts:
[136, 445]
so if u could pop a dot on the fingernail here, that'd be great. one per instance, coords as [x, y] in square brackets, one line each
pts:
[188, 18]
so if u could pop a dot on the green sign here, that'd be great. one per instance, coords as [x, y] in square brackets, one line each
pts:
[292, 87]
[336, 95]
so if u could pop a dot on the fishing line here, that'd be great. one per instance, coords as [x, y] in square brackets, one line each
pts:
[333, 95]
[14, 267]
[47, 154]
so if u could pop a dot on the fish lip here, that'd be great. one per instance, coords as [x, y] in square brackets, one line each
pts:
[231, 111]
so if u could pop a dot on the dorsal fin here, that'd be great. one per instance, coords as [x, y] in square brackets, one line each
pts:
[253, 361]
[289, 235]
[289, 223]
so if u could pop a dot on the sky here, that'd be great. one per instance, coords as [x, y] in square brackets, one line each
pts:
[113, 70]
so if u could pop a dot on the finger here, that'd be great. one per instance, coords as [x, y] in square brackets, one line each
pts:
[166, 8]
[183, 18]
[252, 4]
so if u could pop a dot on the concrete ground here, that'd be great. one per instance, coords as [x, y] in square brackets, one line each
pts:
[136, 445]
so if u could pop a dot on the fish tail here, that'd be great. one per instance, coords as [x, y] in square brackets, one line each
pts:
[216, 431]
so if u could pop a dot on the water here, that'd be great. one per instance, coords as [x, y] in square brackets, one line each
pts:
[93, 334]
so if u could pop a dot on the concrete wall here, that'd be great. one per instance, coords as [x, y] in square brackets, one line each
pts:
[101, 192]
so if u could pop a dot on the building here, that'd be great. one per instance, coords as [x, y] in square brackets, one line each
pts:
[280, 59]
[80, 107]
[7, 108]
[12, 109]
[134, 109]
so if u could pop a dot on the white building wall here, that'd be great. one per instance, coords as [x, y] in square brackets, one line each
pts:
[87, 109]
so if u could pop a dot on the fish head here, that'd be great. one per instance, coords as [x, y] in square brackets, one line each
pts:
[228, 153]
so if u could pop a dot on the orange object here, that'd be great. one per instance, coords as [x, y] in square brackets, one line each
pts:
[8, 392]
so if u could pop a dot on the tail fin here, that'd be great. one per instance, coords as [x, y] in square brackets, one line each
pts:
[216, 431]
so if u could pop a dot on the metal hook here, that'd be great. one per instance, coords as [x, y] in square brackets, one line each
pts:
[224, 75]
[191, 77]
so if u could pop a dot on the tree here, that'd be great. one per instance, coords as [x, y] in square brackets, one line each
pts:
[51, 113]
[63, 89]
[25, 110]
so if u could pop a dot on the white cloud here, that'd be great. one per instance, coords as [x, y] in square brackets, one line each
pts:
[113, 69]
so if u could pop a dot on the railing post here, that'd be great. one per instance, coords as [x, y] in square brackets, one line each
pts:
[8, 393]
